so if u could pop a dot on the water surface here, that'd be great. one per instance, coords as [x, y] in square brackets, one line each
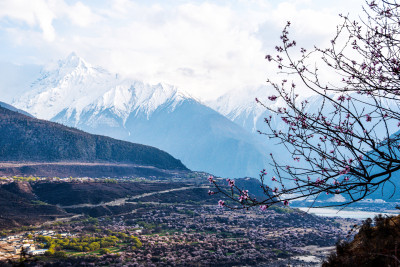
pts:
[354, 214]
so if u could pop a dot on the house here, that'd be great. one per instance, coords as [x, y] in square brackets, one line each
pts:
[30, 249]
[38, 252]
[26, 247]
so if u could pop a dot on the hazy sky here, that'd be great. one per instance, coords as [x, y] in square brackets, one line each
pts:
[204, 47]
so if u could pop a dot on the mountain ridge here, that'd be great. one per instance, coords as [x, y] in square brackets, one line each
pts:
[12, 108]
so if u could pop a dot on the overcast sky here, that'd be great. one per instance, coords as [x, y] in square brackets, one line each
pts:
[205, 47]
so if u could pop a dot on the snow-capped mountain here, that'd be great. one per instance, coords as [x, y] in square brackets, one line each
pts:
[95, 100]
[240, 106]
[73, 83]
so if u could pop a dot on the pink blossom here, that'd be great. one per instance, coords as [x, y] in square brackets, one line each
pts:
[244, 195]
[231, 183]
[221, 203]
[263, 207]
[286, 202]
[210, 179]
[345, 170]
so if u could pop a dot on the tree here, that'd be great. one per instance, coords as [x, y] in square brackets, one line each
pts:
[94, 246]
[60, 254]
[372, 246]
[136, 241]
[104, 251]
[349, 144]
[50, 251]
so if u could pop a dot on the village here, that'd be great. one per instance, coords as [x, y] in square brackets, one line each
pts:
[13, 246]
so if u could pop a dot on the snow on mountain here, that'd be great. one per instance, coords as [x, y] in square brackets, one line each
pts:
[73, 83]
[136, 96]
[75, 86]
[238, 106]
[92, 99]
[241, 107]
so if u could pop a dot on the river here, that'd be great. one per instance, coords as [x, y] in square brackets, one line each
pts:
[354, 214]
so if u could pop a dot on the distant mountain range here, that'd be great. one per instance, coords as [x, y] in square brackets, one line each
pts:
[95, 100]
[27, 139]
[240, 107]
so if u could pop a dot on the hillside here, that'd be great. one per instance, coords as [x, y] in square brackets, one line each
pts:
[7, 106]
[19, 208]
[376, 244]
[27, 139]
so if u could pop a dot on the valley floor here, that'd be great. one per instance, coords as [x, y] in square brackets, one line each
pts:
[177, 224]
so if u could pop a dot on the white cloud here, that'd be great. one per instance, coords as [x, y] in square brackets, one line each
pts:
[207, 48]
[81, 14]
[33, 13]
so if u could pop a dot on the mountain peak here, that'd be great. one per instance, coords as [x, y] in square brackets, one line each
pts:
[73, 61]
[72, 83]
[75, 87]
